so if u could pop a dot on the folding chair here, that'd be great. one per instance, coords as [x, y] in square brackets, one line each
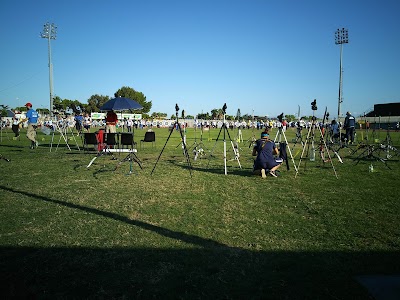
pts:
[106, 145]
[127, 140]
[149, 137]
[89, 139]
[111, 140]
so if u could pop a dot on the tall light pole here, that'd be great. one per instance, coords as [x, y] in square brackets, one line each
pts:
[49, 32]
[341, 37]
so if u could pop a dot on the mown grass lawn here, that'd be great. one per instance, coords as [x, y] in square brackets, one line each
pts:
[72, 232]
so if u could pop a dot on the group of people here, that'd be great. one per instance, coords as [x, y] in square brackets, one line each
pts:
[264, 149]
[82, 122]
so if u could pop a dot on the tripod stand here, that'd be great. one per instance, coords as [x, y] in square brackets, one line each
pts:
[235, 149]
[310, 141]
[3, 128]
[131, 157]
[185, 150]
[183, 141]
[278, 138]
[239, 136]
[387, 144]
[252, 139]
[198, 148]
[62, 128]
[299, 138]
[369, 153]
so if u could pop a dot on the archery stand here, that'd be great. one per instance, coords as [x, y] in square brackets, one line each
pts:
[278, 138]
[310, 141]
[235, 149]
[185, 150]
[198, 148]
[252, 139]
[62, 127]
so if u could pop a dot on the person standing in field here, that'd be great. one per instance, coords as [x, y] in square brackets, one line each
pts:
[32, 118]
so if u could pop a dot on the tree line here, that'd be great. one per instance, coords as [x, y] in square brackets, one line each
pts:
[96, 101]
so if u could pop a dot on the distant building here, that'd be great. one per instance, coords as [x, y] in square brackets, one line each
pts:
[385, 110]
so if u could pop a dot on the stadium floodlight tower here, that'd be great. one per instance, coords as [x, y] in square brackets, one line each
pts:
[49, 32]
[341, 37]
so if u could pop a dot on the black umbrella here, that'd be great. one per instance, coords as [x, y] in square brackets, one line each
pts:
[121, 103]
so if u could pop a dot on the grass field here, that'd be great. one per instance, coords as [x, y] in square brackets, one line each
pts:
[72, 232]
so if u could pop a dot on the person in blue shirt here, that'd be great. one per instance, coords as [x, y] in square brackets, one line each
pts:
[349, 125]
[78, 122]
[265, 149]
[32, 118]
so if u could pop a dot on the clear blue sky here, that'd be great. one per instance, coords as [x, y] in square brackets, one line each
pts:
[256, 55]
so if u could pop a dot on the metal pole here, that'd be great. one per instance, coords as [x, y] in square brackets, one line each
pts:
[341, 37]
[49, 33]
[50, 77]
[340, 100]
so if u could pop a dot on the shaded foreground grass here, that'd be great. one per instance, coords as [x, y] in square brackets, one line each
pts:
[71, 232]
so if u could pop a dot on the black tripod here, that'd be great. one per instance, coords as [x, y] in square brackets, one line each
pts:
[183, 141]
[185, 150]
[369, 153]
[299, 137]
[282, 144]
[226, 131]
[131, 157]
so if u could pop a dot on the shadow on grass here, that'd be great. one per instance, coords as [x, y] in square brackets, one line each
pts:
[207, 269]
[15, 146]
[213, 169]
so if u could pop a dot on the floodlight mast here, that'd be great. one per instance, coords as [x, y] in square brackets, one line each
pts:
[50, 33]
[341, 37]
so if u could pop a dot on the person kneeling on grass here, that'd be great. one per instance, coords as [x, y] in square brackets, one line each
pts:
[265, 149]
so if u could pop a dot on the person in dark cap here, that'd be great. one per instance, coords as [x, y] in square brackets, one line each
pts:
[265, 150]
[32, 118]
[349, 125]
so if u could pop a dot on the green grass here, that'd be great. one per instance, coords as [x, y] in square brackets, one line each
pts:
[71, 232]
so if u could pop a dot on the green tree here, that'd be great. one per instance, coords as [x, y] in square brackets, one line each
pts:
[95, 102]
[3, 111]
[290, 118]
[156, 115]
[214, 113]
[43, 111]
[57, 103]
[139, 97]
[203, 116]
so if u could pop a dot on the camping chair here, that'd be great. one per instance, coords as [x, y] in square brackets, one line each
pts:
[89, 139]
[149, 137]
[105, 143]
[111, 140]
[127, 140]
